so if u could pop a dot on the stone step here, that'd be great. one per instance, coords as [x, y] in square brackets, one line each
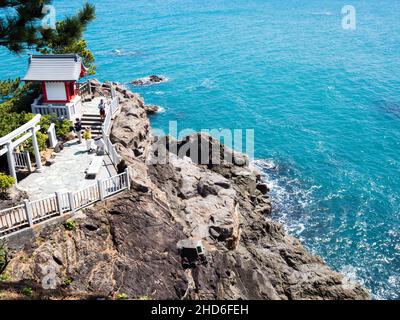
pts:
[91, 115]
[93, 130]
[91, 122]
[98, 128]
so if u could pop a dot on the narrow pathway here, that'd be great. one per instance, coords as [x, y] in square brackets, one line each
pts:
[66, 174]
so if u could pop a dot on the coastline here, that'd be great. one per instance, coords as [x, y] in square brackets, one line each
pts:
[129, 244]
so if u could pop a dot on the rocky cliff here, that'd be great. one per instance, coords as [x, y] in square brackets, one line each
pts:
[127, 246]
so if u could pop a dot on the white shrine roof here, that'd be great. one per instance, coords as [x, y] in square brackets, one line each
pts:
[57, 67]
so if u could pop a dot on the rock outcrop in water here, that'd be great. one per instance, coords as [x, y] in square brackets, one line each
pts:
[152, 109]
[146, 81]
[128, 244]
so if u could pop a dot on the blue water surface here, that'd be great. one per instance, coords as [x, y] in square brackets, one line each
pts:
[324, 103]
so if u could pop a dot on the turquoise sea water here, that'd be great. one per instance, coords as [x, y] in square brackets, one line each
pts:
[324, 103]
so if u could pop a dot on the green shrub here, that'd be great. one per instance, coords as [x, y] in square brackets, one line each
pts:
[4, 276]
[144, 298]
[9, 121]
[63, 128]
[19, 100]
[45, 122]
[8, 88]
[6, 182]
[3, 257]
[42, 143]
[68, 281]
[121, 296]
[70, 225]
[27, 291]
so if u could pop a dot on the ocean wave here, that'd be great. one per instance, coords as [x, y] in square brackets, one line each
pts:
[119, 53]
[290, 198]
[204, 84]
[159, 93]
[305, 211]
[351, 273]
[161, 110]
[323, 13]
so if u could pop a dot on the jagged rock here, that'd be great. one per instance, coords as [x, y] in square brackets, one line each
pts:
[128, 244]
[152, 109]
[95, 82]
[153, 79]
[12, 197]
[263, 188]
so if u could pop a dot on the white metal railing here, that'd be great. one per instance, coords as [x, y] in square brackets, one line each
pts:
[64, 202]
[51, 133]
[86, 197]
[22, 160]
[107, 122]
[114, 184]
[36, 212]
[110, 149]
[114, 105]
[13, 219]
[44, 208]
[84, 88]
[111, 109]
[64, 111]
[59, 111]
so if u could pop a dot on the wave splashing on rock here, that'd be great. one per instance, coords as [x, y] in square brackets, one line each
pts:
[290, 197]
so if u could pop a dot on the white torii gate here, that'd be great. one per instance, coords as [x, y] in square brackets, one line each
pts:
[8, 144]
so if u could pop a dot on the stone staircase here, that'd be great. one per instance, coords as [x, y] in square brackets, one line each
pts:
[93, 122]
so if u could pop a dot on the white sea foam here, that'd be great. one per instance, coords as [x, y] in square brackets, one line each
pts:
[207, 84]
[350, 272]
[124, 53]
[324, 13]
[118, 53]
[290, 199]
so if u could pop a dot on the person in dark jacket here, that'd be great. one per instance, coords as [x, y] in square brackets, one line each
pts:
[121, 167]
[78, 129]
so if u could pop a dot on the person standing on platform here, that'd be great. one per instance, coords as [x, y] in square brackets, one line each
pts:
[102, 108]
[87, 135]
[78, 129]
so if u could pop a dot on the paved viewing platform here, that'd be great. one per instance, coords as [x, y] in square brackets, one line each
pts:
[92, 106]
[67, 174]
[72, 178]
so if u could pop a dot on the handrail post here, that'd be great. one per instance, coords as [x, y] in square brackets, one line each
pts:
[101, 189]
[71, 201]
[11, 160]
[68, 112]
[28, 212]
[128, 179]
[59, 203]
[28, 161]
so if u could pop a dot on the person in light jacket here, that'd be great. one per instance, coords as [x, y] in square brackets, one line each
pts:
[102, 108]
[87, 135]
